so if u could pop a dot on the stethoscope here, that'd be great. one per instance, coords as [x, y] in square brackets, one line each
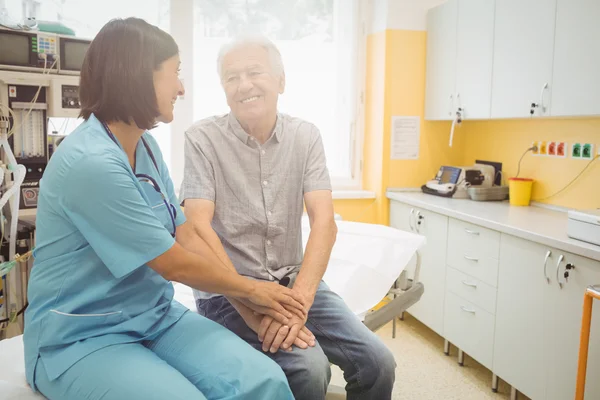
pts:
[147, 178]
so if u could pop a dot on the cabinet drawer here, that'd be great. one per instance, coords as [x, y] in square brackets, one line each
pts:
[474, 250]
[471, 289]
[470, 328]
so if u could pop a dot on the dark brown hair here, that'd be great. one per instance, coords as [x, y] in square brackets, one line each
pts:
[116, 82]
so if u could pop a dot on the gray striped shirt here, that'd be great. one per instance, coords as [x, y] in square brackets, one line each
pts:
[258, 190]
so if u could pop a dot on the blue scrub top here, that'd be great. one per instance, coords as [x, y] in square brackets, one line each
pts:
[97, 227]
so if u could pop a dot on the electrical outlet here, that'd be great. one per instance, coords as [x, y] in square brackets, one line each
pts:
[576, 150]
[543, 148]
[561, 149]
[552, 148]
[536, 151]
[587, 151]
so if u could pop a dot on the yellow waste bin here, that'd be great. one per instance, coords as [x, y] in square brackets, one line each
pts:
[519, 191]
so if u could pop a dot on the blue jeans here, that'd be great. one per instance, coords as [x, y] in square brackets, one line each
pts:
[195, 359]
[342, 339]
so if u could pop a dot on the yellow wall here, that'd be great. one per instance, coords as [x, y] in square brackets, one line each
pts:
[405, 96]
[396, 86]
[506, 141]
[357, 210]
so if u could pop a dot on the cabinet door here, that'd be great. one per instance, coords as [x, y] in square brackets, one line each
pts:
[441, 61]
[519, 351]
[576, 81]
[523, 57]
[430, 308]
[563, 326]
[474, 57]
[402, 216]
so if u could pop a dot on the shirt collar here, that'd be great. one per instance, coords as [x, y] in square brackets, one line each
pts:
[241, 134]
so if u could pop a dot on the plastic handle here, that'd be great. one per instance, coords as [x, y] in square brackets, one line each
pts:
[542, 107]
[470, 232]
[465, 309]
[473, 285]
[471, 258]
[548, 254]
[560, 259]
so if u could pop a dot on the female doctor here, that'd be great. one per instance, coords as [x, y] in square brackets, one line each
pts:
[102, 322]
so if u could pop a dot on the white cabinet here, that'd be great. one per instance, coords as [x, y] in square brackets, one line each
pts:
[576, 79]
[470, 328]
[430, 308]
[519, 350]
[564, 309]
[459, 59]
[474, 58]
[441, 61]
[538, 322]
[523, 57]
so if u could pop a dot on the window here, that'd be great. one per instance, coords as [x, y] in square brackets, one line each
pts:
[318, 41]
[321, 44]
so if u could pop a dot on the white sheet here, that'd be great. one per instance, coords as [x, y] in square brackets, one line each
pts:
[366, 260]
[12, 364]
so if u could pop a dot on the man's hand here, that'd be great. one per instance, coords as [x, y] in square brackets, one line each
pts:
[274, 335]
[278, 301]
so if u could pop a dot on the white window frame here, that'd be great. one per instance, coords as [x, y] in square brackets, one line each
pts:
[182, 30]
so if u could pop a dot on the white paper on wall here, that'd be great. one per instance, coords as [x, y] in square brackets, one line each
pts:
[406, 134]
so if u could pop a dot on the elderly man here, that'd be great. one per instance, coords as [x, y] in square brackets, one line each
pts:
[247, 176]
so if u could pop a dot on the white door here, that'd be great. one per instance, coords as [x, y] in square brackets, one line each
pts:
[430, 308]
[441, 61]
[576, 80]
[523, 57]
[474, 58]
[519, 350]
[563, 327]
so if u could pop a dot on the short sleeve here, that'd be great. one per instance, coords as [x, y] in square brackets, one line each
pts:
[198, 173]
[316, 175]
[103, 202]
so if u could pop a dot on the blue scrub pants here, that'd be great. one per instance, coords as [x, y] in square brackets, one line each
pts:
[195, 359]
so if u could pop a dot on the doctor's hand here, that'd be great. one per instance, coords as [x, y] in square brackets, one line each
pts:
[276, 301]
[273, 335]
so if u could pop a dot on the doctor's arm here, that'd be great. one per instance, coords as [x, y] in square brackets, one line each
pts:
[200, 236]
[199, 270]
[199, 213]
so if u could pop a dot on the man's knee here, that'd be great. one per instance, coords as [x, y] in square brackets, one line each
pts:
[378, 366]
[308, 375]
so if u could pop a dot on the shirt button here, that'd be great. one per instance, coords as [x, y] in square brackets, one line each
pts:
[265, 183]
[269, 213]
[268, 242]
[263, 152]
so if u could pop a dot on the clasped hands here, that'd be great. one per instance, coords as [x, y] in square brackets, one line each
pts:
[279, 317]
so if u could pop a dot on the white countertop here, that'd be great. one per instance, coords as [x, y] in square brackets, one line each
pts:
[537, 224]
